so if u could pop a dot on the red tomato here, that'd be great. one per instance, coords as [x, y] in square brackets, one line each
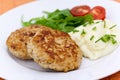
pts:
[80, 10]
[98, 12]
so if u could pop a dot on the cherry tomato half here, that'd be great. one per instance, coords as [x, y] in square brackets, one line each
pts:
[98, 12]
[80, 10]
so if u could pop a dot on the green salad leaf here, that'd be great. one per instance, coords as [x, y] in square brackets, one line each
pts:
[61, 20]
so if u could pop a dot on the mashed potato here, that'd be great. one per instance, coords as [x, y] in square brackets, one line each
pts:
[97, 39]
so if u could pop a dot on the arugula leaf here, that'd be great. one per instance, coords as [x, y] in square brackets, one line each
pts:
[61, 20]
[59, 14]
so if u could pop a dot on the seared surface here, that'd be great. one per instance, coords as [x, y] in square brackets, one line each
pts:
[17, 41]
[55, 50]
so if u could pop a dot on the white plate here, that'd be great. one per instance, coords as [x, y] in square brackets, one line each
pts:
[15, 69]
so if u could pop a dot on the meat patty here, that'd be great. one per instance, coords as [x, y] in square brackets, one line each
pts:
[55, 50]
[17, 41]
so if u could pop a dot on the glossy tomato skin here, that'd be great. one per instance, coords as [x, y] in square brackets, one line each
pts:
[98, 13]
[80, 10]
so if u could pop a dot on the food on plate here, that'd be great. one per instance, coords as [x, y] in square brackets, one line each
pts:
[85, 25]
[61, 20]
[17, 41]
[1, 78]
[67, 19]
[97, 39]
[49, 48]
[98, 12]
[80, 10]
[70, 34]
[55, 50]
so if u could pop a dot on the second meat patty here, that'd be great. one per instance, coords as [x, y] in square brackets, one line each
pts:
[55, 50]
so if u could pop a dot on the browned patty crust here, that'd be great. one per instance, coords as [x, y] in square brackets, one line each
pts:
[17, 41]
[55, 50]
